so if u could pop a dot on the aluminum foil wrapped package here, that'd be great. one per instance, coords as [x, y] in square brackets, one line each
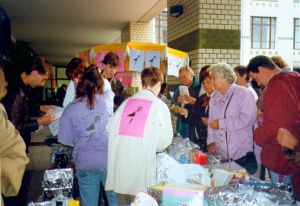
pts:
[163, 163]
[58, 179]
[216, 159]
[245, 193]
[181, 149]
[47, 203]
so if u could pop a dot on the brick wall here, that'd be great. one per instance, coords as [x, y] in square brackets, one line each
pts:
[138, 32]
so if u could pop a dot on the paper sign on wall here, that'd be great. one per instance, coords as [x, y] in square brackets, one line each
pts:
[137, 58]
[174, 64]
[100, 56]
[152, 59]
[134, 117]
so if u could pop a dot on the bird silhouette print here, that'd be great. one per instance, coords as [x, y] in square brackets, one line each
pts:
[136, 59]
[134, 114]
[93, 126]
[152, 60]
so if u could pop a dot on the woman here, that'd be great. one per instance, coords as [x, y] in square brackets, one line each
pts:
[139, 128]
[164, 93]
[232, 114]
[199, 115]
[74, 69]
[13, 158]
[82, 126]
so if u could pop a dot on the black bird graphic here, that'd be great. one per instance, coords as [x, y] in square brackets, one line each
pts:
[152, 60]
[136, 59]
[133, 114]
[93, 126]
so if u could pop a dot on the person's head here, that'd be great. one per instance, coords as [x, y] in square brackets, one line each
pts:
[208, 83]
[164, 89]
[202, 73]
[38, 72]
[3, 84]
[223, 76]
[111, 63]
[90, 83]
[152, 78]
[243, 76]
[186, 75]
[64, 86]
[279, 61]
[75, 68]
[262, 69]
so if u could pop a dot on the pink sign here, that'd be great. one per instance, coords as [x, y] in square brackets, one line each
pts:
[100, 56]
[125, 78]
[134, 117]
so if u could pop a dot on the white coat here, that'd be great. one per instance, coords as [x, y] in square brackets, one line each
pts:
[132, 158]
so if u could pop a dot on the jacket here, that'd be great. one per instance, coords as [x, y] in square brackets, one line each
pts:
[17, 106]
[139, 129]
[281, 110]
[13, 156]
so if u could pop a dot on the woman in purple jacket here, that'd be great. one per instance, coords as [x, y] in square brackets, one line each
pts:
[83, 126]
[232, 115]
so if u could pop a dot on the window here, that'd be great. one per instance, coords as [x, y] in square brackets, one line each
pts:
[297, 33]
[161, 28]
[263, 32]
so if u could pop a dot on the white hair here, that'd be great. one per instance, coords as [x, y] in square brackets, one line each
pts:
[224, 71]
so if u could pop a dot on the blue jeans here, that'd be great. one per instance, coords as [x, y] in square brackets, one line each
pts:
[89, 187]
[278, 178]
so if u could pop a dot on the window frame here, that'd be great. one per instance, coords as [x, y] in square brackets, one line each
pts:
[270, 25]
[294, 40]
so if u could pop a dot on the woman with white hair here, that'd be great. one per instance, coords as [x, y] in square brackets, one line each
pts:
[232, 115]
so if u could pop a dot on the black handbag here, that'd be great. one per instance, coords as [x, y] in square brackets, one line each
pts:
[249, 160]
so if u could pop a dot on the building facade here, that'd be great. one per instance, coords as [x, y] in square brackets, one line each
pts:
[271, 27]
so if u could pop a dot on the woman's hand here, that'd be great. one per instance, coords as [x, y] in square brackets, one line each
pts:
[286, 139]
[214, 124]
[46, 119]
[46, 108]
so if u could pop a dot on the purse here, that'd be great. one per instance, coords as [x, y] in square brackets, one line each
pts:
[249, 160]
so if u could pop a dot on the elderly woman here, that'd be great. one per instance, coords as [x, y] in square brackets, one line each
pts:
[232, 116]
[13, 158]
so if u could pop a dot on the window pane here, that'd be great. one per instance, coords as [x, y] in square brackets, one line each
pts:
[265, 35]
[272, 45]
[297, 46]
[273, 21]
[256, 33]
[266, 20]
[273, 33]
[297, 34]
[297, 22]
[256, 20]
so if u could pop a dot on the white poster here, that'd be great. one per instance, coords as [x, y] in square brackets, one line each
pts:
[152, 59]
[136, 60]
[174, 64]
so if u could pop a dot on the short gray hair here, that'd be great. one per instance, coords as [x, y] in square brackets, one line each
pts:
[224, 71]
[188, 69]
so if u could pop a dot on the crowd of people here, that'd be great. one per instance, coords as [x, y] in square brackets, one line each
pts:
[112, 133]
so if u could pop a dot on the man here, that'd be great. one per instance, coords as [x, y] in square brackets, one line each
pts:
[186, 78]
[17, 100]
[111, 63]
[281, 110]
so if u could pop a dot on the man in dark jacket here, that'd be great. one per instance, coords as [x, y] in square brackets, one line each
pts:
[186, 78]
[111, 63]
[17, 100]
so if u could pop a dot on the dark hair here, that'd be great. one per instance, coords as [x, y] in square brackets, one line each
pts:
[112, 59]
[150, 76]
[41, 65]
[202, 73]
[279, 61]
[242, 70]
[90, 83]
[207, 74]
[163, 87]
[75, 68]
[262, 61]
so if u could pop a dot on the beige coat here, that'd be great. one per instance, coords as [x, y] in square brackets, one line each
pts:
[131, 159]
[12, 156]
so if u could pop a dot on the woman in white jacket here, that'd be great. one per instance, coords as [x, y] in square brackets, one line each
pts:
[139, 129]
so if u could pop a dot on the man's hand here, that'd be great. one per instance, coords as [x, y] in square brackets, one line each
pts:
[214, 124]
[46, 108]
[183, 112]
[204, 120]
[46, 119]
[286, 139]
[181, 99]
